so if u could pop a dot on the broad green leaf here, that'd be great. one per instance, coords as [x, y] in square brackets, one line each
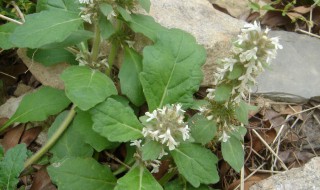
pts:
[232, 152]
[239, 132]
[11, 166]
[70, 144]
[146, 25]
[44, 28]
[197, 104]
[86, 87]
[179, 184]
[254, 6]
[145, 4]
[106, 28]
[115, 121]
[172, 69]
[236, 72]
[75, 37]
[39, 105]
[58, 5]
[268, 7]
[106, 9]
[124, 13]
[81, 173]
[5, 32]
[196, 163]
[49, 57]
[151, 150]
[138, 178]
[202, 129]
[129, 77]
[83, 125]
[242, 111]
[223, 92]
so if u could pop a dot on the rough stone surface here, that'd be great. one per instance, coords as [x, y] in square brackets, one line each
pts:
[306, 177]
[296, 70]
[212, 29]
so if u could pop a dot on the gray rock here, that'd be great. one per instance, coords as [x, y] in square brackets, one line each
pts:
[212, 29]
[296, 70]
[306, 177]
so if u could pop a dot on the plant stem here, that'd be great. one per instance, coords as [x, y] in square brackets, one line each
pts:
[167, 177]
[112, 57]
[63, 126]
[96, 43]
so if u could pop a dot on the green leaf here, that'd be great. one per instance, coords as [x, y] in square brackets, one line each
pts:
[151, 150]
[52, 56]
[70, 144]
[232, 152]
[172, 69]
[242, 112]
[268, 7]
[129, 77]
[57, 5]
[196, 163]
[145, 4]
[106, 9]
[81, 173]
[124, 13]
[83, 125]
[1, 152]
[5, 32]
[44, 28]
[236, 72]
[75, 37]
[86, 87]
[116, 122]
[223, 92]
[202, 129]
[39, 105]
[254, 6]
[106, 28]
[239, 133]
[199, 103]
[146, 25]
[11, 166]
[138, 178]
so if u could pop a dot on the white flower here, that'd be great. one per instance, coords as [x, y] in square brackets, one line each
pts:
[251, 27]
[168, 127]
[210, 117]
[162, 153]
[86, 1]
[224, 137]
[249, 54]
[210, 94]
[136, 143]
[87, 18]
[152, 115]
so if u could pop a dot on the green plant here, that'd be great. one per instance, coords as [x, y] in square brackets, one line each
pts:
[165, 76]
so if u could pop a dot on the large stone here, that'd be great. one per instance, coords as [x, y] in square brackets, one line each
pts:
[212, 29]
[306, 177]
[296, 70]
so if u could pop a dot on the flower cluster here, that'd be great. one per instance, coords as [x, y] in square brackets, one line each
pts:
[166, 126]
[84, 59]
[88, 12]
[252, 53]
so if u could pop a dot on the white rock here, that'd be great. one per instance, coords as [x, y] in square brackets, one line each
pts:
[306, 177]
[212, 29]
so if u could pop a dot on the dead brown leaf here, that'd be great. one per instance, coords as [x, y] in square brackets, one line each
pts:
[268, 137]
[301, 9]
[12, 137]
[42, 181]
[30, 135]
[273, 19]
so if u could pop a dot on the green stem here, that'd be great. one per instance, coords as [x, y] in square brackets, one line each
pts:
[123, 168]
[63, 126]
[167, 177]
[112, 56]
[96, 43]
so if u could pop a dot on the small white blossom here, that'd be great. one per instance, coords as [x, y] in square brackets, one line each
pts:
[251, 27]
[136, 143]
[87, 18]
[86, 1]
[224, 137]
[249, 54]
[168, 126]
[210, 94]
